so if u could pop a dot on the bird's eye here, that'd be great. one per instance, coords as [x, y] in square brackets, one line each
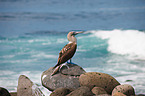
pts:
[73, 33]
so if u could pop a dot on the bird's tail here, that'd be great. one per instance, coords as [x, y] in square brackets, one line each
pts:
[56, 66]
[56, 69]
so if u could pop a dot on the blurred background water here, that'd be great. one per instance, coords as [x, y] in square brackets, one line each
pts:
[32, 32]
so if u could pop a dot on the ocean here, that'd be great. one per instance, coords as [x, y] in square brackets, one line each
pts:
[32, 33]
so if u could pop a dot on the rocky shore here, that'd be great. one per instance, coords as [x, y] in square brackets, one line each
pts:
[74, 81]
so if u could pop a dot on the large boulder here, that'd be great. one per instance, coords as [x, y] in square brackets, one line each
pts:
[81, 91]
[27, 88]
[97, 79]
[126, 89]
[66, 78]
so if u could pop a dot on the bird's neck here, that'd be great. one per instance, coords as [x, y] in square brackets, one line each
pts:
[72, 39]
[72, 42]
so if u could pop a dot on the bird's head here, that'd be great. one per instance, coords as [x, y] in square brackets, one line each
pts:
[71, 35]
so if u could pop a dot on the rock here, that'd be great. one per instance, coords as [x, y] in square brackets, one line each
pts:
[60, 92]
[98, 91]
[140, 95]
[27, 88]
[104, 95]
[128, 80]
[125, 89]
[67, 78]
[13, 93]
[82, 91]
[118, 94]
[4, 92]
[97, 79]
[74, 70]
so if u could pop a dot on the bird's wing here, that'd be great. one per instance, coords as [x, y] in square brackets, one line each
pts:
[66, 53]
[65, 49]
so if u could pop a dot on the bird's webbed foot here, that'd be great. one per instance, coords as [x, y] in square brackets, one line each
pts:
[70, 62]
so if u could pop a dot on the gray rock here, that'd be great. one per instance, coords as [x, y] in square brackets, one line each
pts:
[140, 95]
[13, 93]
[104, 95]
[98, 91]
[60, 92]
[82, 91]
[97, 79]
[66, 78]
[27, 88]
[74, 70]
[4, 92]
[125, 89]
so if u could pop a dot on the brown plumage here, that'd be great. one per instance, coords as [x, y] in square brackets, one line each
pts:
[66, 53]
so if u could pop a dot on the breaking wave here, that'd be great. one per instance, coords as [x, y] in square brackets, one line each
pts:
[124, 42]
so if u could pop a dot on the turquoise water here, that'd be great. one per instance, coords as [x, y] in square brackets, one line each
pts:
[32, 33]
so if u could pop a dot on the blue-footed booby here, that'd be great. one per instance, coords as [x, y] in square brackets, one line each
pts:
[67, 52]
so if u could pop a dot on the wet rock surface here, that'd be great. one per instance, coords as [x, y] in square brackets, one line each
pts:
[66, 78]
[97, 79]
[27, 88]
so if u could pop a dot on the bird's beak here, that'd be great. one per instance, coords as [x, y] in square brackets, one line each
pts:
[78, 32]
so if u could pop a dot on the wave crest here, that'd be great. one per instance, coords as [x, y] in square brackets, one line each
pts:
[124, 42]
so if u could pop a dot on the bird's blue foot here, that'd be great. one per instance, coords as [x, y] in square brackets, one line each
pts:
[70, 62]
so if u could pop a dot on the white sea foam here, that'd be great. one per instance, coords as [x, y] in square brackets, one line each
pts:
[124, 42]
[80, 49]
[61, 40]
[8, 56]
[39, 40]
[30, 41]
[44, 55]
[48, 43]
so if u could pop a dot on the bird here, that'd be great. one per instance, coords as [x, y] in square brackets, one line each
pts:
[67, 52]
